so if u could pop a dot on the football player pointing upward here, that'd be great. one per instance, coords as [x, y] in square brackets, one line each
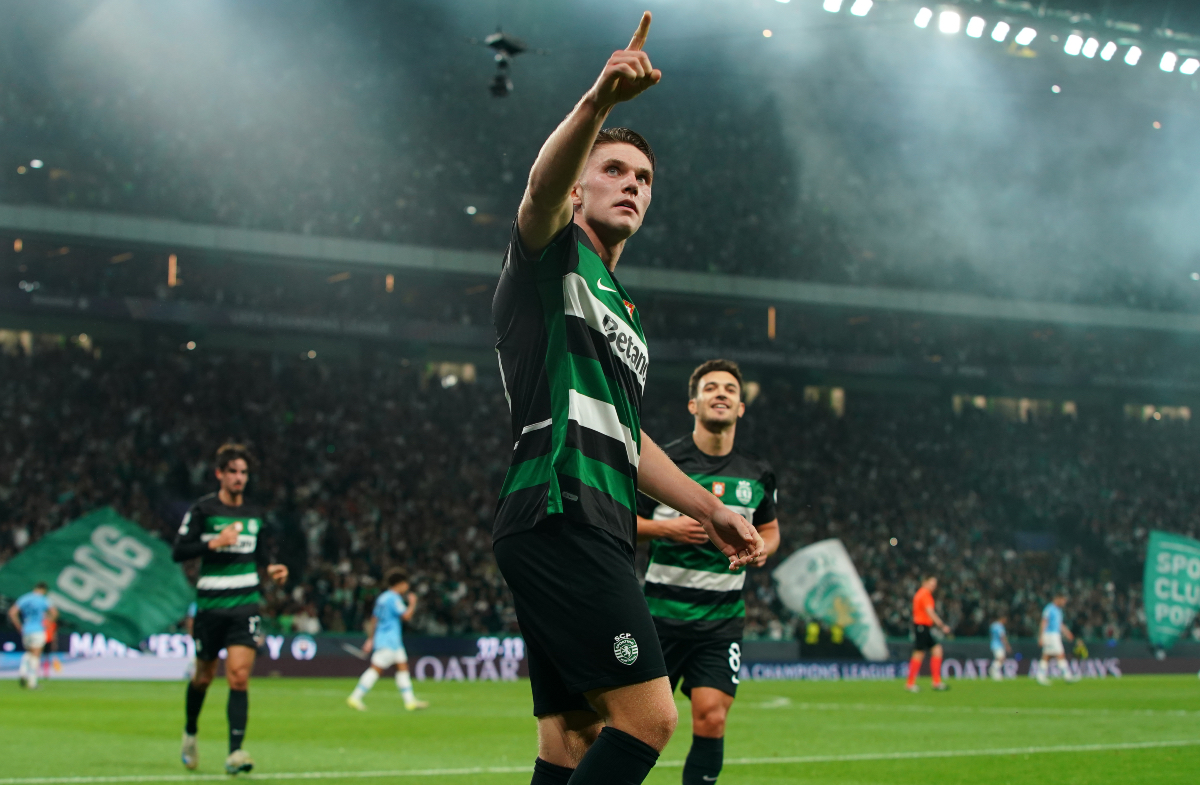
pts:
[573, 361]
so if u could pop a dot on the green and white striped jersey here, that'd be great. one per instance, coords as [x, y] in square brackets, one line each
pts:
[690, 589]
[229, 575]
[573, 361]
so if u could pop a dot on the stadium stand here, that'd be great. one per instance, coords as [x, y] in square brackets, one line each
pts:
[381, 464]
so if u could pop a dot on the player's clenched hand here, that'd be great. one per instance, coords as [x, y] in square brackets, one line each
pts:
[628, 73]
[278, 573]
[227, 537]
[685, 530]
[734, 537]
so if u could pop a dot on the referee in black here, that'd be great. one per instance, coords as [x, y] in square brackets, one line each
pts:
[574, 361]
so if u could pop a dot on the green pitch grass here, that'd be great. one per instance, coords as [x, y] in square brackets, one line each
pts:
[1097, 731]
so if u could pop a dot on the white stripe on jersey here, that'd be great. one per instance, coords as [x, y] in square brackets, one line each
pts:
[601, 417]
[228, 581]
[695, 579]
[664, 513]
[578, 300]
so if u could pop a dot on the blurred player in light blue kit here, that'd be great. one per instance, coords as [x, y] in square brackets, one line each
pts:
[1000, 648]
[30, 614]
[1050, 638]
[385, 645]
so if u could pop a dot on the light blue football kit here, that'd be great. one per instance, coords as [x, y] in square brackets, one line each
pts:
[1054, 617]
[998, 633]
[33, 607]
[387, 646]
[389, 608]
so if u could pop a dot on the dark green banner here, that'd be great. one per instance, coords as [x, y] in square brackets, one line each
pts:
[1172, 586]
[106, 574]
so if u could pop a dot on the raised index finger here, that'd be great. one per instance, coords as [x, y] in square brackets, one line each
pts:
[639, 38]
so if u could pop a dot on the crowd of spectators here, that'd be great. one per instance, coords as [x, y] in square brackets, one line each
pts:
[363, 468]
[373, 122]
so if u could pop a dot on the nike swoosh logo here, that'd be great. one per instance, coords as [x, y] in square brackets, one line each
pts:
[600, 283]
[707, 778]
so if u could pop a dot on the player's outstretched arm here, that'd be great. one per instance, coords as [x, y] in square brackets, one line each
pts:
[546, 207]
[660, 479]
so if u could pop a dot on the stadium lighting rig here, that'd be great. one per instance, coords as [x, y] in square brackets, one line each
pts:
[1083, 34]
[506, 47]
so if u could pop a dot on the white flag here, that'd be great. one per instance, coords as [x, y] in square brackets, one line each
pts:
[820, 582]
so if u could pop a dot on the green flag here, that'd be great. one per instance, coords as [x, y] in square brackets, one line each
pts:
[105, 574]
[1172, 586]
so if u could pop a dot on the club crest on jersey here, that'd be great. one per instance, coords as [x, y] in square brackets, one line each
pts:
[718, 489]
[744, 492]
[628, 307]
[626, 649]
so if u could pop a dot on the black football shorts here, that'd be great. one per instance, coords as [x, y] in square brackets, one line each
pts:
[703, 663]
[221, 628]
[923, 638]
[581, 610]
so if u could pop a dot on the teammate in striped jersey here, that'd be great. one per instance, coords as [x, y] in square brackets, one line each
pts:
[573, 362]
[222, 530]
[694, 598]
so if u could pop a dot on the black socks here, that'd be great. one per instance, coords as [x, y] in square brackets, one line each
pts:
[236, 711]
[545, 773]
[195, 702]
[615, 759]
[704, 760]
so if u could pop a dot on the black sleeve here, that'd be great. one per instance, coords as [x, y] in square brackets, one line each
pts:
[187, 543]
[552, 257]
[645, 506]
[765, 512]
[261, 556]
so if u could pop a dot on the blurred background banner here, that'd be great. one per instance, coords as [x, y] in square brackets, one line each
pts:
[106, 575]
[1172, 588]
[820, 582]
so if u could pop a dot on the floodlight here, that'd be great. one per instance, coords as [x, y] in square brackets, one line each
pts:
[923, 17]
[1133, 55]
[1090, 47]
[861, 7]
[1000, 32]
[36, 163]
[1108, 51]
[1190, 66]
[1026, 36]
[1074, 44]
[975, 26]
[1167, 63]
[949, 22]
[832, 6]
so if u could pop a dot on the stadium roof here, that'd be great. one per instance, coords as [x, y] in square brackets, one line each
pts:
[251, 245]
